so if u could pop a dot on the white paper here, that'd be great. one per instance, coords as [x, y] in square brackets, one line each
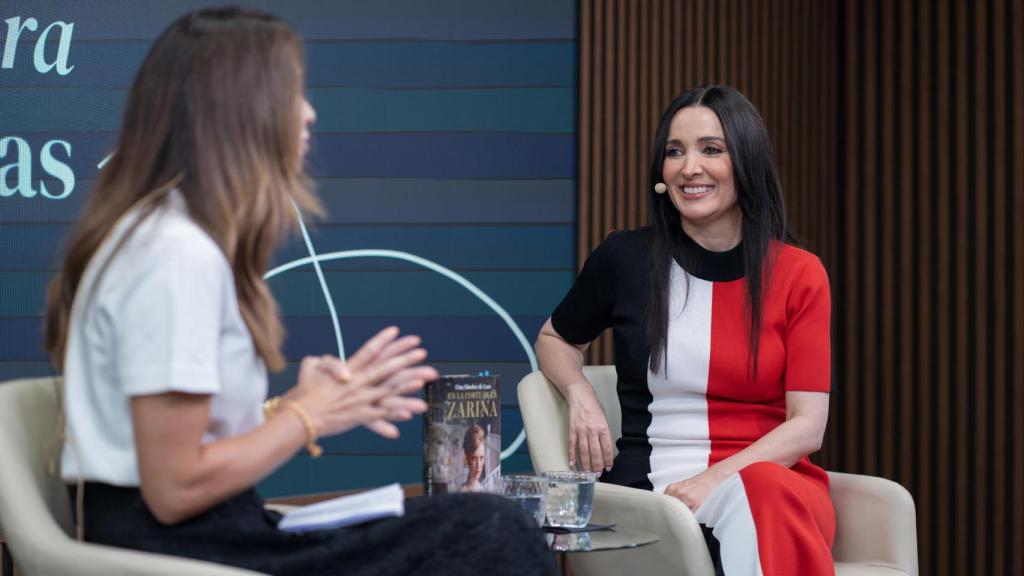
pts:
[346, 510]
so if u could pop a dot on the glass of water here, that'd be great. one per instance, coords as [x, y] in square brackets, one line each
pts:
[531, 492]
[570, 498]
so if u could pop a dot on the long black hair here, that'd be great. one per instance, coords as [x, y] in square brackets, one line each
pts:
[759, 195]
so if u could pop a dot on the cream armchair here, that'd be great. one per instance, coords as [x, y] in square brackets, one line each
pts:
[35, 515]
[876, 527]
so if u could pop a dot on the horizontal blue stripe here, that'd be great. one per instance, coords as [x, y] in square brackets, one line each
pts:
[416, 155]
[372, 200]
[376, 264]
[509, 373]
[409, 293]
[511, 425]
[96, 64]
[330, 473]
[39, 209]
[27, 110]
[444, 155]
[23, 293]
[316, 19]
[32, 247]
[469, 339]
[14, 370]
[360, 64]
[361, 293]
[469, 201]
[429, 65]
[447, 339]
[537, 110]
[22, 339]
[517, 463]
[509, 248]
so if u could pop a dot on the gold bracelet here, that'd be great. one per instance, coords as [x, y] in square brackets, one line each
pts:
[271, 406]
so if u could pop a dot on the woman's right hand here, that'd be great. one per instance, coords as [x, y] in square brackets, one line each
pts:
[562, 363]
[588, 430]
[368, 390]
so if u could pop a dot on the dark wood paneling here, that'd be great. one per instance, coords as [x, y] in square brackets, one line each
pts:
[1015, 112]
[636, 56]
[924, 285]
[899, 135]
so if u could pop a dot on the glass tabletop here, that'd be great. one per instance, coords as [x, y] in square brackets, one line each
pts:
[613, 539]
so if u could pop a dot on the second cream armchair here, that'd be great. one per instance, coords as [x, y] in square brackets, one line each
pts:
[875, 518]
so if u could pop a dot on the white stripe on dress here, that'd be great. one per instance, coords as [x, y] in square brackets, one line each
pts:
[727, 513]
[678, 434]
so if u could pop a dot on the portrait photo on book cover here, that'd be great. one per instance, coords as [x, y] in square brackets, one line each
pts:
[463, 435]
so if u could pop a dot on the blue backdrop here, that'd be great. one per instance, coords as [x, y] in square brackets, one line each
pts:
[445, 132]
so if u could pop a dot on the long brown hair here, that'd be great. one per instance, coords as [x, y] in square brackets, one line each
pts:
[214, 111]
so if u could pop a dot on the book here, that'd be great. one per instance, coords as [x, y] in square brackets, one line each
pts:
[462, 435]
[346, 510]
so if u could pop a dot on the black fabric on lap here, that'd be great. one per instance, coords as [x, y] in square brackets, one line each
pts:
[464, 534]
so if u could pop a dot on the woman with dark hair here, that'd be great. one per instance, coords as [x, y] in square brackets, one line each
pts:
[164, 329]
[721, 331]
[474, 449]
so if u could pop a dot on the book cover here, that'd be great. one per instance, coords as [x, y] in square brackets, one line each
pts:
[462, 439]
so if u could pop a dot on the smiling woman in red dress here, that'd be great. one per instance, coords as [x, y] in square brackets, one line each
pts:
[721, 329]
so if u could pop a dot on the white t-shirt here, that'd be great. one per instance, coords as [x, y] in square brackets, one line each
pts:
[163, 317]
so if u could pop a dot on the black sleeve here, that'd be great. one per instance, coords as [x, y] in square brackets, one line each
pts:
[587, 309]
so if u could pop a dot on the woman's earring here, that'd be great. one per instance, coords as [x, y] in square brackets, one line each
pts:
[660, 188]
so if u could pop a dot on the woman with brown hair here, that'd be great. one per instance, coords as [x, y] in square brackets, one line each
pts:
[164, 328]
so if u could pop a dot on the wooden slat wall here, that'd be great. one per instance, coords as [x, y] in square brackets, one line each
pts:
[930, 324]
[899, 135]
[636, 56]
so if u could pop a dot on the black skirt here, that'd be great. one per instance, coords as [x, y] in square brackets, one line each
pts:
[469, 534]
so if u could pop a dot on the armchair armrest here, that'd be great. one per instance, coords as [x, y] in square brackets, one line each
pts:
[875, 522]
[70, 557]
[546, 423]
[680, 550]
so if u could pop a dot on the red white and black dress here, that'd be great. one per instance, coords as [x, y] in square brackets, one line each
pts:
[703, 407]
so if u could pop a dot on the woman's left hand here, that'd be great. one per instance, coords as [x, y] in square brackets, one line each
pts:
[695, 490]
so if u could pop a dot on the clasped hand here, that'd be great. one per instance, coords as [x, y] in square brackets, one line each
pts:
[370, 389]
[694, 491]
